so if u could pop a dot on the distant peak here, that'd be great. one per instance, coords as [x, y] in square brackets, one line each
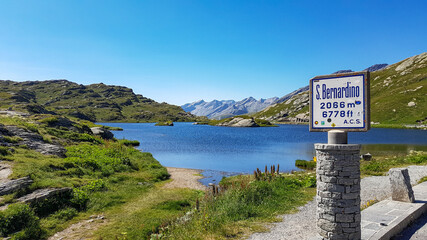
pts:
[376, 67]
[343, 71]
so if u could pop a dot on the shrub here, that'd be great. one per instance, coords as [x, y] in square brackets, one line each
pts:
[52, 204]
[80, 199]
[94, 186]
[20, 217]
[74, 136]
[4, 151]
[106, 159]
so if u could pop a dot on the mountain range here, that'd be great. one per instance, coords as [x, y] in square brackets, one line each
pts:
[398, 95]
[227, 108]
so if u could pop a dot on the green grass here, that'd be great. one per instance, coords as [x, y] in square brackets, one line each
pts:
[126, 142]
[20, 122]
[424, 179]
[165, 123]
[104, 177]
[307, 165]
[143, 215]
[239, 209]
[108, 177]
[19, 222]
[380, 165]
[4, 151]
[12, 139]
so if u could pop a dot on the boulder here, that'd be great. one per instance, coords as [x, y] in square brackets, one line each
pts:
[411, 104]
[14, 185]
[45, 193]
[102, 132]
[367, 157]
[401, 189]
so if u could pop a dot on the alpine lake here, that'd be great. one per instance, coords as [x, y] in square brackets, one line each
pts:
[227, 151]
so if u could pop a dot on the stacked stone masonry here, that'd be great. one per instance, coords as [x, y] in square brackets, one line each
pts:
[338, 191]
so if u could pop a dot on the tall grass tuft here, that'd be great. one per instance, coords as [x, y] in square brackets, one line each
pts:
[241, 201]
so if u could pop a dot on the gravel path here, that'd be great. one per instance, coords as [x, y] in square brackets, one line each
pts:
[302, 225]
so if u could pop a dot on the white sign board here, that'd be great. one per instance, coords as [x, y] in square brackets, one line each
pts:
[340, 101]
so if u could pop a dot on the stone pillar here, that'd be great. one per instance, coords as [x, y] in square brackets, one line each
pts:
[338, 191]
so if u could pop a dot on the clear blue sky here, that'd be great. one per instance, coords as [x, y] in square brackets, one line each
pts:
[181, 51]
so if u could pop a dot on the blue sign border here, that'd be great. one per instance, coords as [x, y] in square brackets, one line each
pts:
[366, 105]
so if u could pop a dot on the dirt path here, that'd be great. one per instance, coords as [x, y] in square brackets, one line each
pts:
[81, 230]
[184, 178]
[181, 178]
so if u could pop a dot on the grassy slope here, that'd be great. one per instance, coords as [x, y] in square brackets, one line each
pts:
[292, 107]
[389, 104]
[391, 91]
[111, 178]
[97, 102]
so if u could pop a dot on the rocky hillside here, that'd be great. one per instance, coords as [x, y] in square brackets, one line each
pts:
[227, 108]
[95, 102]
[55, 170]
[398, 96]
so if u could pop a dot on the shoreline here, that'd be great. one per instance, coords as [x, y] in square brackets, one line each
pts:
[185, 178]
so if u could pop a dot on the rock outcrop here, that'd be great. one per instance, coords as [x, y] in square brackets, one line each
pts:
[239, 122]
[167, 124]
[34, 141]
[102, 132]
[14, 185]
[291, 110]
[44, 193]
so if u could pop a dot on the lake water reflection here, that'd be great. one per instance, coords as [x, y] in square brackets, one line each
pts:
[224, 150]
